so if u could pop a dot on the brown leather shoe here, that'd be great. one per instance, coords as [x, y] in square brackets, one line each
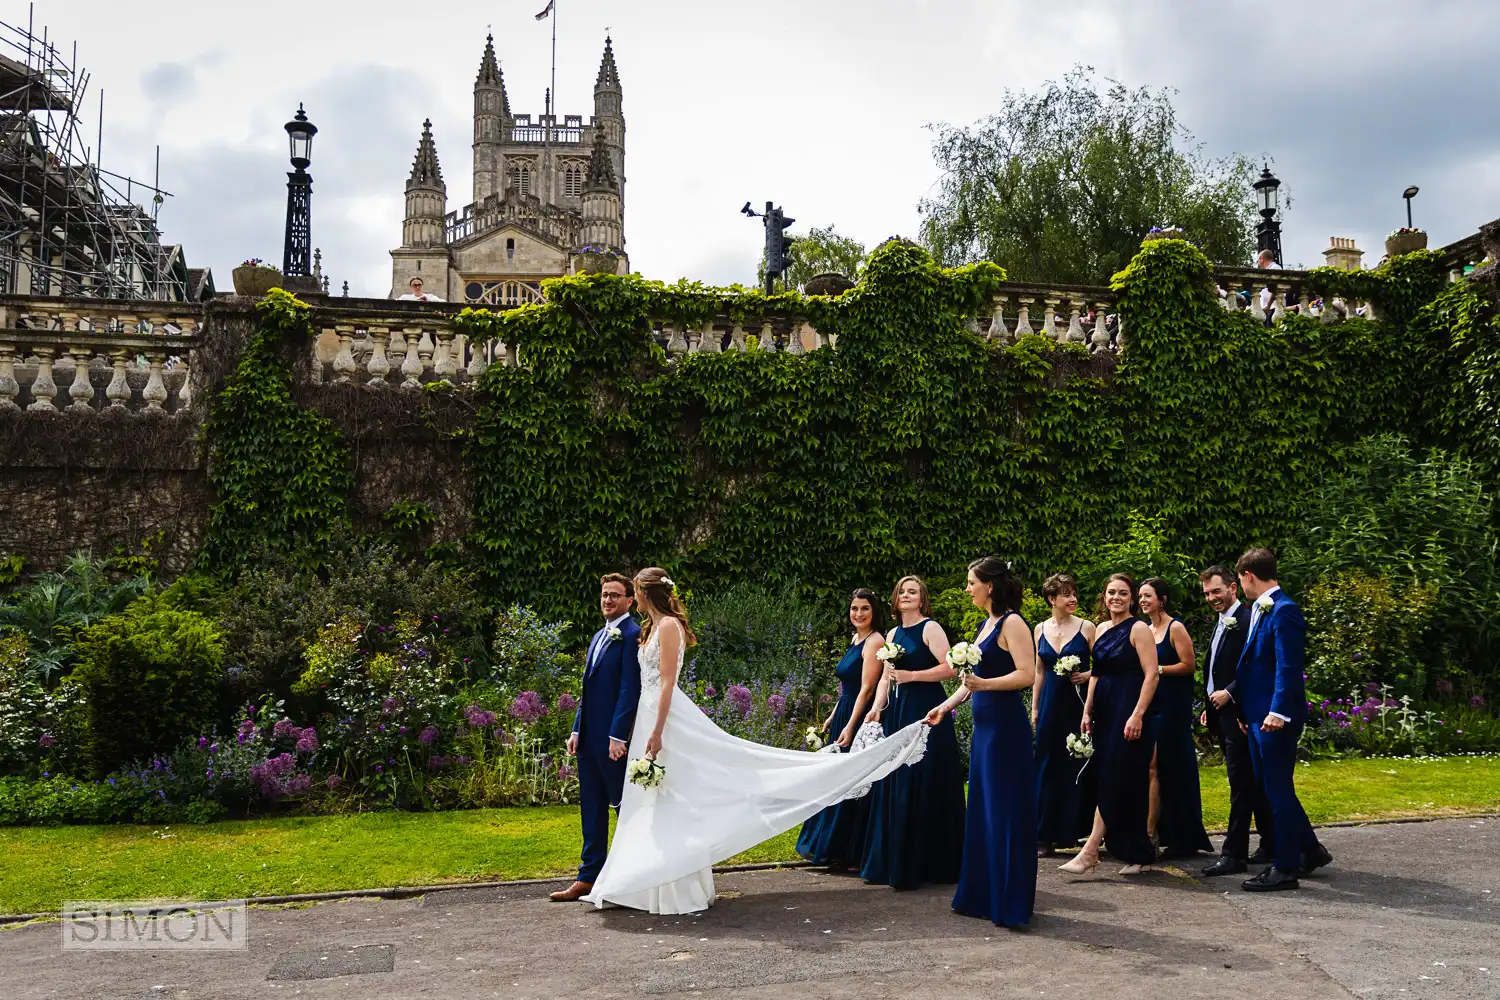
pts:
[573, 892]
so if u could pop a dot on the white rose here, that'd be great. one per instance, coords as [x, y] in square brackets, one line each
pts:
[613, 635]
[1265, 603]
[1230, 624]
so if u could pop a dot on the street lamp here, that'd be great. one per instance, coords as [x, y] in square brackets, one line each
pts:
[296, 253]
[1409, 194]
[1268, 232]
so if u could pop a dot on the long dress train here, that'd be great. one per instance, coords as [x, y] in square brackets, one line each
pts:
[1065, 788]
[720, 795]
[998, 879]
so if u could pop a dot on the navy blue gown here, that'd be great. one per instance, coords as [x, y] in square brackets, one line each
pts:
[998, 878]
[1064, 796]
[1124, 766]
[836, 836]
[1179, 822]
[916, 831]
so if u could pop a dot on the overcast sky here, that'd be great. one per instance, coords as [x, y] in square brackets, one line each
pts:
[822, 105]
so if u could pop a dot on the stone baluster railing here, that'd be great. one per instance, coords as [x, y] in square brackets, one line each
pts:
[1068, 314]
[86, 355]
[1270, 296]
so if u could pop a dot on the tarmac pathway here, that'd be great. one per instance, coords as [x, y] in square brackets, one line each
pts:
[1407, 911]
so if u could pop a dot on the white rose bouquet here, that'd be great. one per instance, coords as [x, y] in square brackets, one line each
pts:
[812, 739]
[1065, 665]
[1081, 745]
[964, 656]
[644, 772]
[890, 652]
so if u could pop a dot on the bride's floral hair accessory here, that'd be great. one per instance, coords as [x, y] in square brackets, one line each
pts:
[668, 583]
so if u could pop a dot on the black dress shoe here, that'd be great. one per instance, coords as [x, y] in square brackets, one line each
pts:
[1260, 857]
[1224, 866]
[1273, 879]
[1315, 859]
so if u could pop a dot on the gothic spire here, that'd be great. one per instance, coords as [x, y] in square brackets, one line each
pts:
[601, 175]
[609, 76]
[425, 171]
[490, 75]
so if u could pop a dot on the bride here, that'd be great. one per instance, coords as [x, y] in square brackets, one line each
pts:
[720, 795]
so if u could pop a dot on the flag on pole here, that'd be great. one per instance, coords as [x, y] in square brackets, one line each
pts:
[546, 10]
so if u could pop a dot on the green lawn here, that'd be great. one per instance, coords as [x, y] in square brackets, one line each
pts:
[44, 866]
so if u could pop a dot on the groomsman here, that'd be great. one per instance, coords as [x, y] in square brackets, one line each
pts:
[1273, 702]
[1222, 718]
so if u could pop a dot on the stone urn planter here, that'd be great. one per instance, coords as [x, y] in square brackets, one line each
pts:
[256, 279]
[1404, 241]
[828, 283]
[1169, 233]
[589, 262]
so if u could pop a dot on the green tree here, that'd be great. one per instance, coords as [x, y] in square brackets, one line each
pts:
[1062, 185]
[819, 251]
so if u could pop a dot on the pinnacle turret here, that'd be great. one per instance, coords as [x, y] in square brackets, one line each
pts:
[609, 76]
[601, 175]
[425, 169]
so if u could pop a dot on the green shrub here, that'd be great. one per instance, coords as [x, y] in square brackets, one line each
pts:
[953, 610]
[53, 607]
[149, 676]
[754, 633]
[1363, 628]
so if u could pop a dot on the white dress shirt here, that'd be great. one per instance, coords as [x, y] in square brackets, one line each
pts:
[601, 638]
[1218, 639]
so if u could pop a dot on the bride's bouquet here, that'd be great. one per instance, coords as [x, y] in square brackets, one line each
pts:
[1081, 745]
[1065, 665]
[645, 772]
[812, 739]
[964, 657]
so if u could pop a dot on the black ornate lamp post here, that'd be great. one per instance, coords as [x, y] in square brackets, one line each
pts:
[1268, 232]
[297, 253]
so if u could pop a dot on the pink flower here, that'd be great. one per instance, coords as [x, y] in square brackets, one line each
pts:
[566, 702]
[777, 704]
[740, 700]
[528, 707]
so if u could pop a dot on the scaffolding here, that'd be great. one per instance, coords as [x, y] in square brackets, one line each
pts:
[66, 226]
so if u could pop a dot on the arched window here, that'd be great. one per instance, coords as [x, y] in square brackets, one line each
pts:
[520, 179]
[573, 180]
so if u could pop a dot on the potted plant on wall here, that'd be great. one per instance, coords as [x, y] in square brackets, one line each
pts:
[1404, 241]
[255, 277]
[596, 260]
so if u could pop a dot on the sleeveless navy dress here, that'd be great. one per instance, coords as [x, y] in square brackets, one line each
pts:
[916, 830]
[1124, 766]
[1179, 823]
[998, 879]
[836, 836]
[1064, 796]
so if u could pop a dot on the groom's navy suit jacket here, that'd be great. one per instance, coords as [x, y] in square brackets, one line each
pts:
[1269, 677]
[611, 689]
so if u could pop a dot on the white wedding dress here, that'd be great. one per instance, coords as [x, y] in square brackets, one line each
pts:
[720, 795]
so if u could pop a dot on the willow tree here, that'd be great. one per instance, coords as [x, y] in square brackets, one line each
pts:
[1062, 185]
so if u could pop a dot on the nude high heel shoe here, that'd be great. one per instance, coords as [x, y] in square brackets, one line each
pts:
[1132, 869]
[1078, 866]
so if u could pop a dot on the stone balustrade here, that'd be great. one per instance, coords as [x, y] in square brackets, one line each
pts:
[1069, 314]
[1274, 294]
[88, 355]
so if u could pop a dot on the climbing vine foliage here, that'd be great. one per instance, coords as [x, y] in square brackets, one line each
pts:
[913, 445]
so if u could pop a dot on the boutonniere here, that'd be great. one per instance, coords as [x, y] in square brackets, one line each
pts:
[1265, 603]
[1230, 624]
[613, 635]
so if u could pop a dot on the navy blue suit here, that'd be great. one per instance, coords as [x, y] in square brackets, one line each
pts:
[606, 710]
[1269, 678]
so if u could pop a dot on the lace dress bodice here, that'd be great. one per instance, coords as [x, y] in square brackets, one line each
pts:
[650, 659]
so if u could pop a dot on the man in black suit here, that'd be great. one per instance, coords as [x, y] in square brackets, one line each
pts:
[1222, 717]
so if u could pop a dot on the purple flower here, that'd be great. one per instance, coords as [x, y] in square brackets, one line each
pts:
[209, 773]
[1371, 687]
[284, 728]
[379, 769]
[777, 704]
[389, 705]
[202, 742]
[213, 748]
[1477, 701]
[740, 700]
[479, 717]
[528, 707]
[564, 773]
[47, 740]
[710, 692]
[429, 736]
[506, 739]
[334, 781]
[566, 702]
[307, 741]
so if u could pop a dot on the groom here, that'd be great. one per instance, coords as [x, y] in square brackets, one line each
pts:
[1273, 703]
[601, 729]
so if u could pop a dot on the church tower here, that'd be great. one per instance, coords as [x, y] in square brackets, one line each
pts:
[609, 118]
[601, 200]
[491, 121]
[426, 196]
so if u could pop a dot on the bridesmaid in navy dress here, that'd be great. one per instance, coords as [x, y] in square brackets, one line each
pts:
[1114, 715]
[1064, 787]
[998, 877]
[916, 831]
[1175, 821]
[836, 836]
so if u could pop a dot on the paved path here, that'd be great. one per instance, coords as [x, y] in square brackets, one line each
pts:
[1408, 911]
